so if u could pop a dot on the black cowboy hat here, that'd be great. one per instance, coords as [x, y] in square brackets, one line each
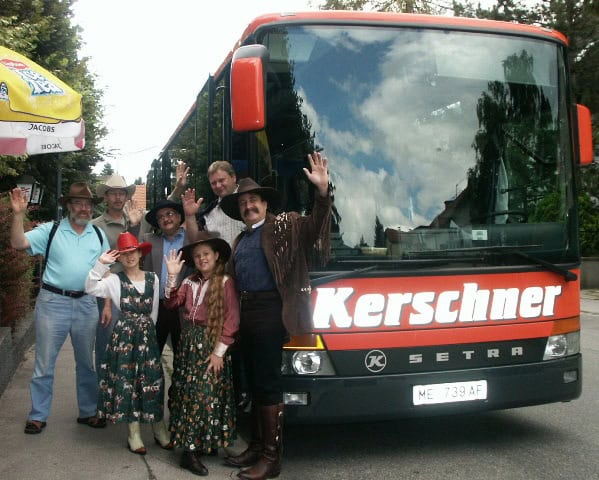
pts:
[230, 206]
[211, 238]
[151, 215]
[79, 190]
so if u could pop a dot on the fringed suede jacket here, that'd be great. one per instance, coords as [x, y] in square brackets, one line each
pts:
[289, 240]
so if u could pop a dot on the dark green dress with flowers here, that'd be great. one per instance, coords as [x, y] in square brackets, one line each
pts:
[131, 375]
[202, 406]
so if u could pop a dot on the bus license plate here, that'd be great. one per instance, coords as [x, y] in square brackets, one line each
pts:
[449, 392]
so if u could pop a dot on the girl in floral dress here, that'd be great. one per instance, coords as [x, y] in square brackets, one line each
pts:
[202, 403]
[131, 375]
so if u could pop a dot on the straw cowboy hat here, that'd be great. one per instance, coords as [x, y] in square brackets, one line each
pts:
[115, 182]
[176, 206]
[79, 190]
[210, 238]
[230, 206]
[127, 242]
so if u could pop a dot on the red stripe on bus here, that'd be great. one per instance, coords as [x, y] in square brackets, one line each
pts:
[448, 336]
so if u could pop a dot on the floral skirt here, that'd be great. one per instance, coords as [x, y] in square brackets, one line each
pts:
[202, 406]
[131, 375]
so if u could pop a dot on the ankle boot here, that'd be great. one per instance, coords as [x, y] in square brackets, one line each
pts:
[191, 461]
[161, 435]
[269, 463]
[251, 454]
[134, 441]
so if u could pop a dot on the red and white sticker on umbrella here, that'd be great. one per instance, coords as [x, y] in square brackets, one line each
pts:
[20, 138]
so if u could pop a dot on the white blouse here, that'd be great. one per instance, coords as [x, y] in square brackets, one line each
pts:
[110, 287]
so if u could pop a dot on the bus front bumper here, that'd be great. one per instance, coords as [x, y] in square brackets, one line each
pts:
[373, 398]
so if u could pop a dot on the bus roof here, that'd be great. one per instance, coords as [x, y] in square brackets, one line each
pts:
[349, 17]
[356, 17]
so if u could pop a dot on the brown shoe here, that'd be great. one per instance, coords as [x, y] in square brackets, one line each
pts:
[34, 426]
[191, 461]
[93, 422]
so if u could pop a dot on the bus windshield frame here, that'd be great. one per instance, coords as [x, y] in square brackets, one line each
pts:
[442, 144]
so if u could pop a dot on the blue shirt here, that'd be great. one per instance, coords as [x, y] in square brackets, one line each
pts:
[71, 255]
[167, 245]
[251, 268]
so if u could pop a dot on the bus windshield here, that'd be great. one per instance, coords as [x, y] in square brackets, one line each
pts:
[442, 144]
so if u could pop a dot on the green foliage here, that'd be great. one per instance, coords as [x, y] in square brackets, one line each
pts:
[589, 226]
[398, 6]
[16, 269]
[107, 170]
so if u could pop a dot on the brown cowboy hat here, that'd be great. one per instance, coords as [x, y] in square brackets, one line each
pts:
[127, 242]
[79, 190]
[176, 206]
[115, 182]
[230, 206]
[211, 238]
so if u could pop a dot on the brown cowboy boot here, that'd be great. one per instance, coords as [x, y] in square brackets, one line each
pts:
[251, 454]
[269, 463]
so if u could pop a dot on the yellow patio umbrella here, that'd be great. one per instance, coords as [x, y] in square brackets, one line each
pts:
[39, 113]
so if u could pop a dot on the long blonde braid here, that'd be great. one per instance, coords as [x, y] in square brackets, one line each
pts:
[216, 303]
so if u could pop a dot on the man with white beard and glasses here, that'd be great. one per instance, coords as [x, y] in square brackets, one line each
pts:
[71, 247]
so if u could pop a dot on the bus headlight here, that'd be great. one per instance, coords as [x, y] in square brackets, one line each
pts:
[306, 362]
[559, 346]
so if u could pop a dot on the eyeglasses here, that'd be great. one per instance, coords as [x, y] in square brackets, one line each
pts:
[81, 203]
[169, 214]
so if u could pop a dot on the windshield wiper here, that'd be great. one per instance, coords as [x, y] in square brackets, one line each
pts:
[517, 250]
[337, 276]
[567, 274]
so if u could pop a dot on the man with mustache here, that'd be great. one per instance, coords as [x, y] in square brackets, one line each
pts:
[271, 271]
[62, 308]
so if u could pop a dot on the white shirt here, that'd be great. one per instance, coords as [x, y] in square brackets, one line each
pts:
[219, 221]
[110, 287]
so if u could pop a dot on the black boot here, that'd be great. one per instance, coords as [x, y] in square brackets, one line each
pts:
[191, 461]
[269, 463]
[251, 454]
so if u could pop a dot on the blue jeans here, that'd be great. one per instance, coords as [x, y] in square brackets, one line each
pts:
[55, 318]
[103, 334]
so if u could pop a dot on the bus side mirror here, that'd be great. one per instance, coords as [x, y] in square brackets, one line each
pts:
[585, 135]
[248, 104]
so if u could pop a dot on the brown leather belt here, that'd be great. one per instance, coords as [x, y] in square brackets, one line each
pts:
[260, 295]
[60, 291]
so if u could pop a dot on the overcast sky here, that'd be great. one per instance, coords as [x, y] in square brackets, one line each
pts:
[152, 57]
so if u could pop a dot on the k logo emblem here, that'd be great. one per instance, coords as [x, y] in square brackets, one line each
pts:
[375, 361]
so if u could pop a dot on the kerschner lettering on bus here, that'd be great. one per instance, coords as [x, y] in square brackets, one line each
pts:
[470, 304]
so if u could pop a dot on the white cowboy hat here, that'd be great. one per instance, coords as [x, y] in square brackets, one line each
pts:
[116, 182]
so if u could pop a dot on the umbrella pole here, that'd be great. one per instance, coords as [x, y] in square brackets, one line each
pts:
[58, 188]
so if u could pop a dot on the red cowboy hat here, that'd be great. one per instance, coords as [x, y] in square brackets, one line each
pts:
[127, 242]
